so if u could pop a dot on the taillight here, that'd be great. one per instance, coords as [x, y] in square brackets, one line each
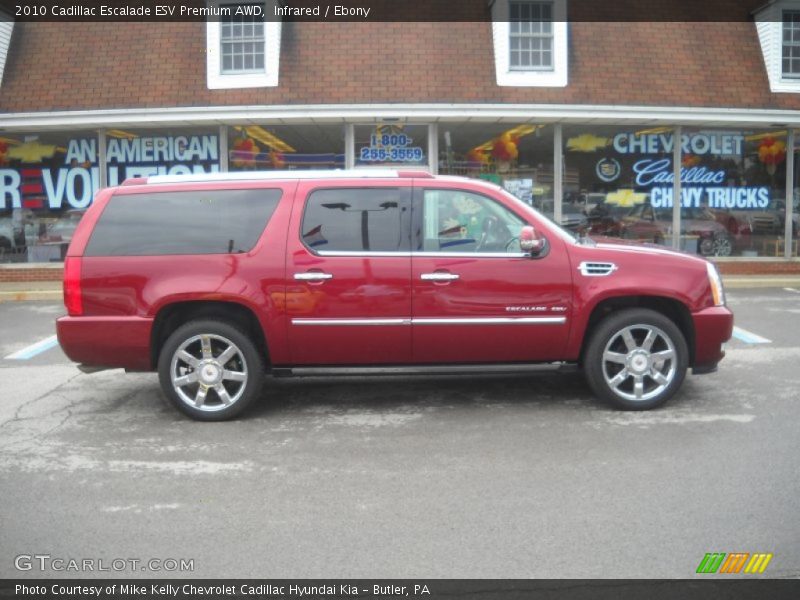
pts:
[73, 299]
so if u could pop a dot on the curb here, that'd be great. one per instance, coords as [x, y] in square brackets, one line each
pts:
[760, 282]
[24, 296]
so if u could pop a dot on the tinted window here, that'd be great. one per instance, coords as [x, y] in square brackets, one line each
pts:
[356, 220]
[199, 222]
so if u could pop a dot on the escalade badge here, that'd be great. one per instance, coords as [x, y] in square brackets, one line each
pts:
[535, 308]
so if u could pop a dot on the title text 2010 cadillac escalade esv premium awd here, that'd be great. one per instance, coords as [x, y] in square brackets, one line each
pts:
[216, 280]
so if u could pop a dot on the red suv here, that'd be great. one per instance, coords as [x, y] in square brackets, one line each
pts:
[216, 280]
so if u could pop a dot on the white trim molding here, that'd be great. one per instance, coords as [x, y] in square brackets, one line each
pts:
[6, 29]
[405, 321]
[769, 25]
[212, 116]
[217, 80]
[506, 76]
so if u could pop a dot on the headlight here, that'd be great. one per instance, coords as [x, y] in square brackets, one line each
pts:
[715, 281]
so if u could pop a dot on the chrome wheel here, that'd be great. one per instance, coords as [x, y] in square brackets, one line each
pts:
[722, 246]
[639, 362]
[208, 372]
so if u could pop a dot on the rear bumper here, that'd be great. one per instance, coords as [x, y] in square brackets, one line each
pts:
[107, 341]
[712, 328]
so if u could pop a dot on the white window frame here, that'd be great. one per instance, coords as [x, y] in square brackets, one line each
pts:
[557, 76]
[769, 26]
[796, 44]
[217, 80]
[531, 36]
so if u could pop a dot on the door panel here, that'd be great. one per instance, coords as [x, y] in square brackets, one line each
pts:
[348, 275]
[489, 303]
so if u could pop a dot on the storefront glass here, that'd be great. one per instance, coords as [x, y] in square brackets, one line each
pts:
[300, 146]
[173, 151]
[48, 180]
[732, 186]
[518, 157]
[391, 145]
[748, 196]
[616, 181]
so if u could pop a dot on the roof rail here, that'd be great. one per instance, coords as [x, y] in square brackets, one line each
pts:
[134, 181]
[414, 174]
[370, 173]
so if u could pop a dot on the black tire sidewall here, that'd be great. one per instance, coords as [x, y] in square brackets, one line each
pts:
[255, 367]
[606, 329]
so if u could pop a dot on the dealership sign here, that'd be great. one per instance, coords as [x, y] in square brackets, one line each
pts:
[732, 198]
[34, 185]
[652, 172]
[726, 144]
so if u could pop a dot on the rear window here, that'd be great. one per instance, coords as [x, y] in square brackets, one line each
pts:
[197, 222]
[356, 220]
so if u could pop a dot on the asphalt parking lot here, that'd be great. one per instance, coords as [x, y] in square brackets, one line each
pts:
[469, 475]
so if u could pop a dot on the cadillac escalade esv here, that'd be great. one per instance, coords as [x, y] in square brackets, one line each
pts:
[217, 280]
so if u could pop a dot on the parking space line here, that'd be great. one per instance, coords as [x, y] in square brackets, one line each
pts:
[748, 337]
[34, 349]
[792, 290]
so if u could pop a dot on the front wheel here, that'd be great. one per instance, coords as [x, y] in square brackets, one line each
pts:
[636, 359]
[210, 370]
[723, 245]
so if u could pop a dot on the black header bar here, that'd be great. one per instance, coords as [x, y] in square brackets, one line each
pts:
[419, 589]
[340, 11]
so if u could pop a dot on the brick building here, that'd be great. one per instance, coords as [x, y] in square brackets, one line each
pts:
[569, 104]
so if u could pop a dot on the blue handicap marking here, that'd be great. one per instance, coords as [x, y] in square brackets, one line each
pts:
[34, 349]
[748, 337]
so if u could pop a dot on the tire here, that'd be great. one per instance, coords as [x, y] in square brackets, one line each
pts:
[706, 246]
[211, 390]
[613, 365]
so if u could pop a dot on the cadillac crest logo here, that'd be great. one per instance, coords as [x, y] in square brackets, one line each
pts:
[608, 169]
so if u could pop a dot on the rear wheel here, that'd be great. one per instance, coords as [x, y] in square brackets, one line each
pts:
[636, 359]
[210, 370]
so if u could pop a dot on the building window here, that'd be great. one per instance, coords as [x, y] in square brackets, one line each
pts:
[778, 28]
[530, 42]
[791, 44]
[531, 35]
[242, 43]
[243, 46]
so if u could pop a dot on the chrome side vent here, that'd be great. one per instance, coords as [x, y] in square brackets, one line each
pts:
[596, 269]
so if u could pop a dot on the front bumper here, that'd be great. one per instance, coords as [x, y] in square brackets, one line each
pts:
[107, 341]
[712, 328]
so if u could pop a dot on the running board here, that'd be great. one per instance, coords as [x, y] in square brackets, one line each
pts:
[475, 369]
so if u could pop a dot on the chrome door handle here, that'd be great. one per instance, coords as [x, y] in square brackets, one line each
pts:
[313, 276]
[439, 276]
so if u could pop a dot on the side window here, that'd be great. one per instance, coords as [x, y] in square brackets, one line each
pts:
[458, 221]
[356, 220]
[197, 222]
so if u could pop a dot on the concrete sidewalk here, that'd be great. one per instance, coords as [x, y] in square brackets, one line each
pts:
[51, 290]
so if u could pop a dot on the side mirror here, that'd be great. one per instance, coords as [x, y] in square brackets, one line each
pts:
[530, 241]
